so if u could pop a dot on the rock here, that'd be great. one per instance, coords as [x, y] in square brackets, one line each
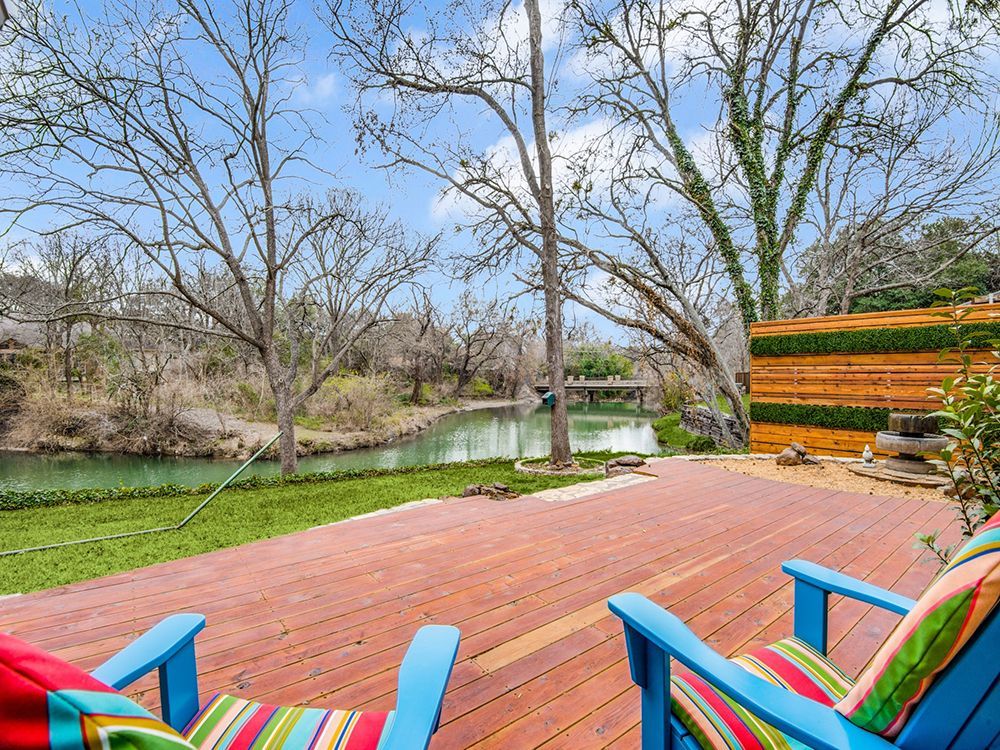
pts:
[617, 471]
[788, 457]
[493, 491]
[628, 460]
[798, 448]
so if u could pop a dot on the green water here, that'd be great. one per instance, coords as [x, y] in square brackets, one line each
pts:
[505, 431]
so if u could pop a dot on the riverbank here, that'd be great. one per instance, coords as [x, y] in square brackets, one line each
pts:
[235, 517]
[201, 432]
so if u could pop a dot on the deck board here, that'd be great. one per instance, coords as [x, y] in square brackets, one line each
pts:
[323, 616]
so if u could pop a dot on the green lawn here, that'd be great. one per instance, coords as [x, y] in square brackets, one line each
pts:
[668, 427]
[669, 432]
[235, 517]
[724, 405]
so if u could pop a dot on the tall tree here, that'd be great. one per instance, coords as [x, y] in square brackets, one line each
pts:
[479, 330]
[174, 129]
[482, 63]
[792, 83]
[56, 278]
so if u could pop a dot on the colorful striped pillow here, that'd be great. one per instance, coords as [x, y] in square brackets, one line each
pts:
[718, 722]
[48, 703]
[925, 641]
[229, 723]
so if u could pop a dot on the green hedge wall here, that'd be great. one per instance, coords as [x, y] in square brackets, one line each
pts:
[862, 418]
[21, 499]
[912, 339]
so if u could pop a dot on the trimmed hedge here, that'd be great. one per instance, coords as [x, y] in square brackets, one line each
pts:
[911, 339]
[22, 499]
[861, 418]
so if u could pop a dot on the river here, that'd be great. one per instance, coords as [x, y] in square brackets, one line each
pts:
[511, 431]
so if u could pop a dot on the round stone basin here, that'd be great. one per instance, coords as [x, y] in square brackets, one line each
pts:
[909, 444]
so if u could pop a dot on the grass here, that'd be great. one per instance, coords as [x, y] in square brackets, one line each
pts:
[235, 517]
[670, 433]
[724, 405]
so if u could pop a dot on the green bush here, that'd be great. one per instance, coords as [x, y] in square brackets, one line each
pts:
[599, 362]
[700, 444]
[481, 388]
[861, 418]
[913, 339]
[674, 393]
[970, 418]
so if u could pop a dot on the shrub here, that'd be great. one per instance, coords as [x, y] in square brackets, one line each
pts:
[246, 397]
[700, 444]
[351, 402]
[970, 416]
[481, 388]
[599, 362]
[911, 339]
[861, 418]
[674, 393]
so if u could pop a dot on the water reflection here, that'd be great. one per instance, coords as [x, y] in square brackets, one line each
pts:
[521, 430]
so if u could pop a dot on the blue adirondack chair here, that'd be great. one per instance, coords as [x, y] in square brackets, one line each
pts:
[169, 648]
[960, 710]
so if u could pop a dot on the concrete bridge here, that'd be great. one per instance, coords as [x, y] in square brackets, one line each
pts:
[635, 387]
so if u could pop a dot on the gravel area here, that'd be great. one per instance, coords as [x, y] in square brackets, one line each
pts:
[829, 474]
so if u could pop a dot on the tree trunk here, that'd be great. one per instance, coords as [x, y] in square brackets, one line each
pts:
[734, 398]
[770, 286]
[418, 386]
[284, 406]
[286, 423]
[68, 362]
[559, 450]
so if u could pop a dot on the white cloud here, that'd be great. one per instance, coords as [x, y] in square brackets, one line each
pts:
[315, 90]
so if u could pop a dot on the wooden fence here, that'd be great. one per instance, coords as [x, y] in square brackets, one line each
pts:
[881, 380]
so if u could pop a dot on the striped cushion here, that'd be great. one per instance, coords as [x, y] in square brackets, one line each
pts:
[228, 723]
[719, 723]
[48, 703]
[945, 617]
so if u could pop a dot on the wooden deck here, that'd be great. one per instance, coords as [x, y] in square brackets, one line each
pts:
[323, 616]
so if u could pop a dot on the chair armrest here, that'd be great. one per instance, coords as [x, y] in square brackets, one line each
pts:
[168, 647]
[813, 586]
[648, 626]
[839, 583]
[423, 680]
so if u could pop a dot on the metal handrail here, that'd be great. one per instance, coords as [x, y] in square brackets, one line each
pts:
[176, 527]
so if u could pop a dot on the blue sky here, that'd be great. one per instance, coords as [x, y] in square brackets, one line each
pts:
[412, 197]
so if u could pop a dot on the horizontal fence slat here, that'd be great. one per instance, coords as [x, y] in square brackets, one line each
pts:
[821, 441]
[896, 319]
[894, 380]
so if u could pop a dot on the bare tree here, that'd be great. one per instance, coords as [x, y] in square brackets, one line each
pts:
[175, 131]
[665, 287]
[479, 330]
[792, 87]
[481, 63]
[60, 273]
[419, 339]
[874, 201]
